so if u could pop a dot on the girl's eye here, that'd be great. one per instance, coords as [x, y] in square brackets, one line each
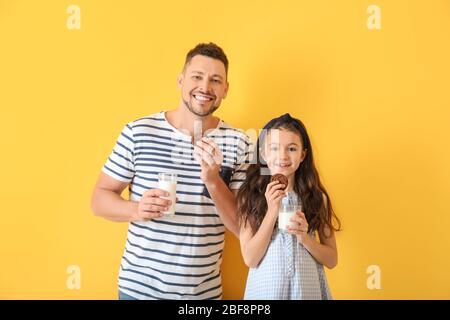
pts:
[273, 148]
[292, 149]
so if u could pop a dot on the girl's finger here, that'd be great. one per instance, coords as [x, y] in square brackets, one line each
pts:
[298, 219]
[296, 230]
[277, 194]
[271, 184]
[276, 187]
[301, 214]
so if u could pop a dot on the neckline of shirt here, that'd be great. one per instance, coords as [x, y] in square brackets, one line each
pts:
[185, 136]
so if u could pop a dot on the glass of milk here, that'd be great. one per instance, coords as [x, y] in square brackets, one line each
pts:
[290, 204]
[168, 182]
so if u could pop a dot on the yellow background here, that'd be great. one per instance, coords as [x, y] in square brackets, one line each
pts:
[375, 102]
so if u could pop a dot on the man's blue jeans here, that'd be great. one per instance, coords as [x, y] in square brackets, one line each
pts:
[124, 296]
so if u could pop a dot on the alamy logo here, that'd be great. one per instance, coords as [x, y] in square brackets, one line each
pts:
[374, 18]
[374, 279]
[74, 279]
[74, 18]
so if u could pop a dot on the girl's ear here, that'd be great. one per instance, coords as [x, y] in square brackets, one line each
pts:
[262, 155]
[304, 152]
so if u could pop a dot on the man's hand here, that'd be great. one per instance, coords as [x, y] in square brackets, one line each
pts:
[151, 205]
[208, 154]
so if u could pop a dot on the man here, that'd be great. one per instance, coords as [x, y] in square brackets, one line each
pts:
[177, 257]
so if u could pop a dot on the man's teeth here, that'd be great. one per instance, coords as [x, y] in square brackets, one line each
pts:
[202, 98]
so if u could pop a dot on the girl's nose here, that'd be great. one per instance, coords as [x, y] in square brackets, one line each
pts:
[283, 154]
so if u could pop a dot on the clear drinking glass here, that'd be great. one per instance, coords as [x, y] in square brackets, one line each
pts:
[168, 182]
[290, 204]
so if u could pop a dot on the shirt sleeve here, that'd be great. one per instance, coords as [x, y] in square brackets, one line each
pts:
[244, 158]
[120, 163]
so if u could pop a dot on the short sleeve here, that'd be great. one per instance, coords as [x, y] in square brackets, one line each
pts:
[120, 163]
[244, 157]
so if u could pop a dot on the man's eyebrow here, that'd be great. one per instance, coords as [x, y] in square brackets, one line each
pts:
[202, 73]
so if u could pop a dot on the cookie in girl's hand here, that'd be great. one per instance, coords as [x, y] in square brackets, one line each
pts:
[281, 178]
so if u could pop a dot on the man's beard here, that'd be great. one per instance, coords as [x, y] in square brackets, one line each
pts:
[199, 114]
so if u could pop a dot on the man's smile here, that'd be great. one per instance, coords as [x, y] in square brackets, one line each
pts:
[202, 97]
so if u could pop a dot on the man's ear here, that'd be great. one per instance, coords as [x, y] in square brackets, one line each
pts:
[180, 80]
[226, 90]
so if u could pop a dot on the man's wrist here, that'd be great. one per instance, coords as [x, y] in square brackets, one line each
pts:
[213, 182]
[132, 210]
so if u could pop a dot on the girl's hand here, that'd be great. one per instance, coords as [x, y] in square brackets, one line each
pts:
[274, 194]
[299, 227]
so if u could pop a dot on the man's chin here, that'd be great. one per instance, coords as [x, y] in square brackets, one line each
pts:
[201, 111]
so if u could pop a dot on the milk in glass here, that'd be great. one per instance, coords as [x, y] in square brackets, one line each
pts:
[168, 182]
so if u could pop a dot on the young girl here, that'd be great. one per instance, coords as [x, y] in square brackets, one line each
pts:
[286, 265]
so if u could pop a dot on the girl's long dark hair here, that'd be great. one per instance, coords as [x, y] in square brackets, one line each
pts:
[251, 201]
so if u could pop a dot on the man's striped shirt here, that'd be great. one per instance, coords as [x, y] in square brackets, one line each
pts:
[175, 257]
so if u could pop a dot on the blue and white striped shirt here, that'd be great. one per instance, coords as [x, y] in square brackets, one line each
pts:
[175, 257]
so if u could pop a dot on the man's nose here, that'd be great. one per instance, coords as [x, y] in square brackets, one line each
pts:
[205, 86]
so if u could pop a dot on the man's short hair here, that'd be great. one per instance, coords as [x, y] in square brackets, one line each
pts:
[211, 50]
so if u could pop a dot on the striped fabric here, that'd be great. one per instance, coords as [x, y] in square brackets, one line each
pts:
[173, 257]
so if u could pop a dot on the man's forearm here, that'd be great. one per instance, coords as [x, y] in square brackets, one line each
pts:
[109, 205]
[225, 203]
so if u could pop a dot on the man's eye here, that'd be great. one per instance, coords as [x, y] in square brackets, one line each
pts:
[197, 77]
[217, 81]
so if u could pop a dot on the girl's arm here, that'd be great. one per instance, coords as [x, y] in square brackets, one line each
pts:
[324, 252]
[254, 244]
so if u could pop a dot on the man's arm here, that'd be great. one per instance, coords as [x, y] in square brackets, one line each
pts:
[208, 155]
[108, 203]
[225, 202]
